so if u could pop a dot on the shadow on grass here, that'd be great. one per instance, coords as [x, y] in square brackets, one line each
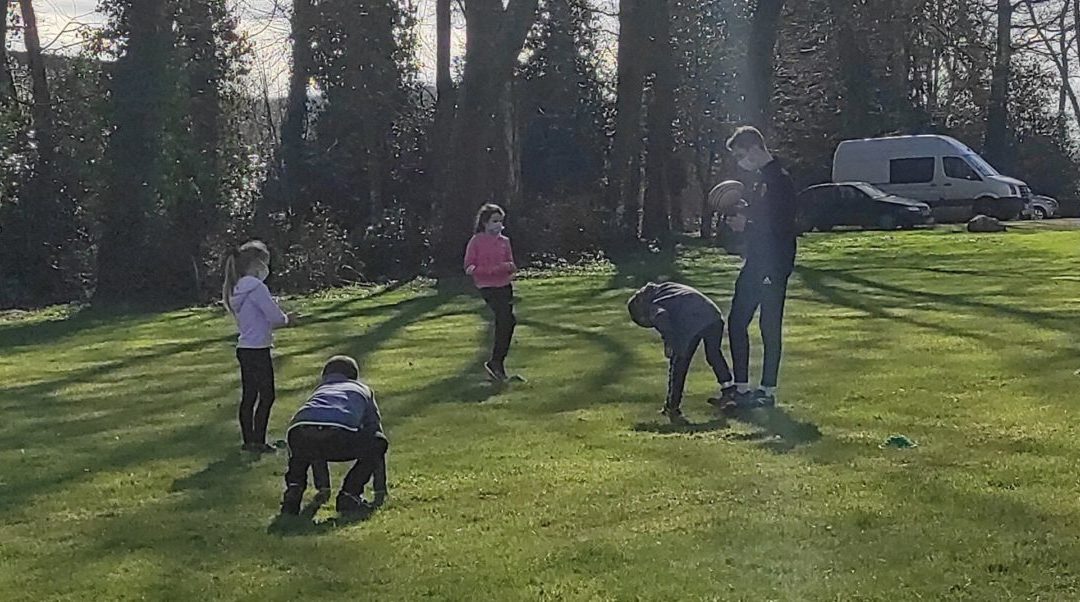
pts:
[660, 428]
[303, 525]
[217, 473]
[782, 432]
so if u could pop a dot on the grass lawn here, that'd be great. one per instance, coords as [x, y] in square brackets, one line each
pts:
[121, 477]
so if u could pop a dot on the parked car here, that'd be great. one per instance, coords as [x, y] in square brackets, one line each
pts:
[938, 170]
[826, 206]
[1041, 207]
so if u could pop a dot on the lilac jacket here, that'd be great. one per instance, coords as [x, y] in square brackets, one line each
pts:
[256, 313]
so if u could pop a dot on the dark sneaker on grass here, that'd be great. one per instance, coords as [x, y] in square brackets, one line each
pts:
[675, 415]
[348, 503]
[290, 502]
[496, 371]
[763, 399]
[726, 397]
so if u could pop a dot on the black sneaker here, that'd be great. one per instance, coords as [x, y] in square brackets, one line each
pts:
[763, 399]
[743, 401]
[260, 448]
[496, 371]
[726, 397]
[348, 503]
[290, 502]
[675, 415]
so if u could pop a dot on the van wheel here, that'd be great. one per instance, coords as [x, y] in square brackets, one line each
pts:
[887, 222]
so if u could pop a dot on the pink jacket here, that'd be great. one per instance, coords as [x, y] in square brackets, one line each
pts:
[493, 258]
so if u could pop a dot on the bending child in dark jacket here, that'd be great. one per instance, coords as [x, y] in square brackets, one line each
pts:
[339, 423]
[685, 318]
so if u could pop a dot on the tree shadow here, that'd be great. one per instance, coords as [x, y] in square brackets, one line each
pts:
[216, 474]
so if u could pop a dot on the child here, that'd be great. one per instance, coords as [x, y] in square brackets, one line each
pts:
[490, 262]
[684, 317]
[339, 423]
[257, 315]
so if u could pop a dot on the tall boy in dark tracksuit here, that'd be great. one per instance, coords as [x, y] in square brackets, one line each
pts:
[339, 423]
[685, 318]
[770, 234]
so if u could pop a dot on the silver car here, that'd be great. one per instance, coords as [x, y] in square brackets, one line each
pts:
[1041, 207]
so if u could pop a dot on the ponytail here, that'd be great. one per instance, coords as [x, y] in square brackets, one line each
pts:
[231, 276]
[238, 264]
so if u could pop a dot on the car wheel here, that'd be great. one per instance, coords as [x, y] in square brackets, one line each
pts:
[887, 222]
[1038, 213]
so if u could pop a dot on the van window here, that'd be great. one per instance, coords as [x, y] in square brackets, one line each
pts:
[955, 167]
[911, 171]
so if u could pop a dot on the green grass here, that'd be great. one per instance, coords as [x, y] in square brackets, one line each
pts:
[120, 476]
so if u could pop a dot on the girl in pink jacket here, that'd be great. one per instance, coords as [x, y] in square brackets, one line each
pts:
[490, 261]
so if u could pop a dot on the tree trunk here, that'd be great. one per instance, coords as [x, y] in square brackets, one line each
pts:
[656, 214]
[997, 115]
[127, 260]
[48, 218]
[760, 59]
[41, 108]
[7, 83]
[623, 184]
[494, 38]
[444, 83]
[856, 72]
[194, 212]
[283, 189]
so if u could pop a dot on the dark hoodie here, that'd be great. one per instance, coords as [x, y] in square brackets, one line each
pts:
[677, 311]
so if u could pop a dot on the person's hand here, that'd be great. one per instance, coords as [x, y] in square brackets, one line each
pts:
[737, 223]
[669, 352]
[509, 267]
[469, 270]
[294, 318]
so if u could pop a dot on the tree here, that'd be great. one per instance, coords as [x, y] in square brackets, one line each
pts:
[996, 143]
[481, 136]
[659, 176]
[7, 83]
[760, 60]
[624, 179]
[284, 182]
[127, 259]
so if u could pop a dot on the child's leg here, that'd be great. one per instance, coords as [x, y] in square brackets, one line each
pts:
[501, 302]
[771, 323]
[677, 368]
[712, 338]
[267, 394]
[320, 472]
[249, 393]
[370, 452]
[743, 305]
[378, 480]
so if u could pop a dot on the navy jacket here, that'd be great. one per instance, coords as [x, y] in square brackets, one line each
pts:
[340, 402]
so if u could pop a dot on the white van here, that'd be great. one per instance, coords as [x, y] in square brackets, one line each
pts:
[938, 170]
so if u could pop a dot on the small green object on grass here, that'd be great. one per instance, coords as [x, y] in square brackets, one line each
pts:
[899, 442]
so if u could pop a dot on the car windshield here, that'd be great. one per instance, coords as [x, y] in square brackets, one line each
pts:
[870, 191]
[982, 167]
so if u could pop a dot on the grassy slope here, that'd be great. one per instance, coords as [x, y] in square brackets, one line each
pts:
[120, 477]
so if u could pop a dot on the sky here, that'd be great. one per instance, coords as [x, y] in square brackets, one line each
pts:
[265, 21]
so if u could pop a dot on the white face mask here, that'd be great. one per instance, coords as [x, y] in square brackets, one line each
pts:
[747, 164]
[260, 270]
[494, 227]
